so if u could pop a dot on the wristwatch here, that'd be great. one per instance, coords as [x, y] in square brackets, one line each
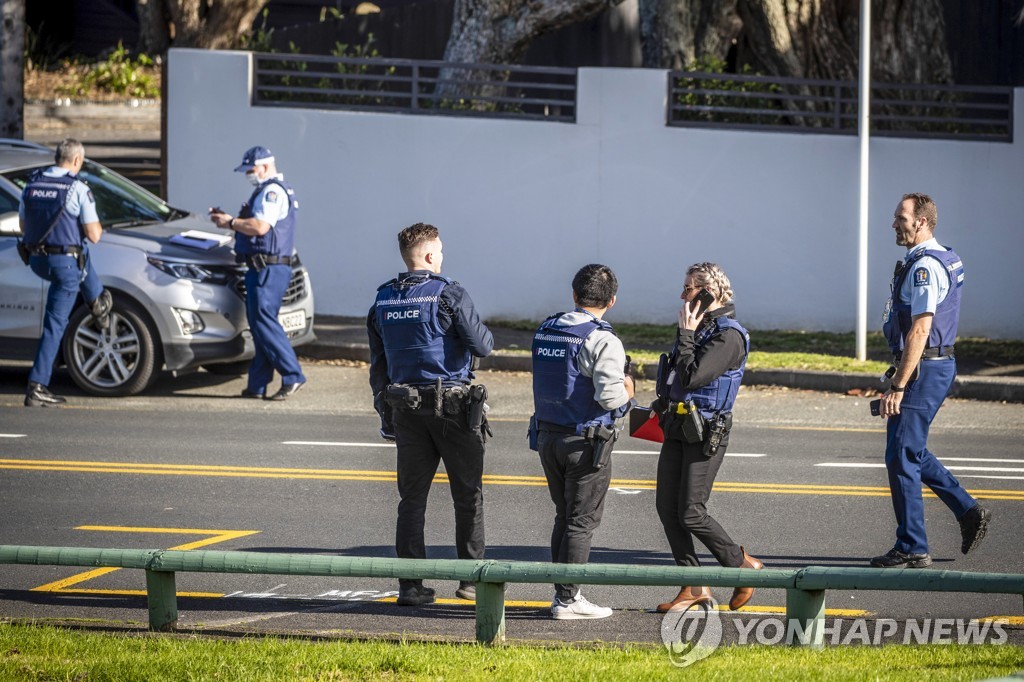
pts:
[231, 223]
[897, 389]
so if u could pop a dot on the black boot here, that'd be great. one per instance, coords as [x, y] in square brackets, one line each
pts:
[40, 396]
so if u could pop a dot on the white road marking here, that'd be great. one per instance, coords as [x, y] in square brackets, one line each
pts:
[1005, 478]
[12, 435]
[881, 465]
[336, 444]
[623, 491]
[655, 452]
[981, 459]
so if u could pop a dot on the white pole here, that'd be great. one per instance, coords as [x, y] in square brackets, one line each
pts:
[863, 125]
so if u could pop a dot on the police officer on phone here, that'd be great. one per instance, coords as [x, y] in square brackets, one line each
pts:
[920, 324]
[58, 215]
[580, 391]
[264, 240]
[424, 336]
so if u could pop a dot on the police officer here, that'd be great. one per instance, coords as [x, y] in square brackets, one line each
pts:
[580, 390]
[697, 387]
[57, 210]
[265, 240]
[424, 334]
[920, 324]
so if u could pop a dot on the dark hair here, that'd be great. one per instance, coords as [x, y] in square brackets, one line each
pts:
[414, 235]
[924, 207]
[594, 286]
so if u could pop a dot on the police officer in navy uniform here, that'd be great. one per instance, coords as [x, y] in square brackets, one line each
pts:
[265, 240]
[580, 390]
[424, 335]
[57, 211]
[698, 384]
[920, 324]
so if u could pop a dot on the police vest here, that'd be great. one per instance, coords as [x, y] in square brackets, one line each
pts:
[719, 395]
[561, 395]
[45, 200]
[417, 349]
[280, 239]
[947, 313]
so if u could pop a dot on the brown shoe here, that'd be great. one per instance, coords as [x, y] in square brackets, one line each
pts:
[687, 597]
[741, 595]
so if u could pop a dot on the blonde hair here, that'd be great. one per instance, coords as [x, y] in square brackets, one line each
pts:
[711, 277]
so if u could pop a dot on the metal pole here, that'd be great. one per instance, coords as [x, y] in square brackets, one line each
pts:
[864, 127]
[163, 601]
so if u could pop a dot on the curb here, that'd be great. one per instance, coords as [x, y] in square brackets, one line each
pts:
[997, 389]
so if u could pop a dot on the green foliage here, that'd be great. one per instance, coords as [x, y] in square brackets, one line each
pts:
[119, 74]
[260, 40]
[727, 93]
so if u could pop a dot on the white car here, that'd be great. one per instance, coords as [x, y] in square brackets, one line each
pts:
[177, 304]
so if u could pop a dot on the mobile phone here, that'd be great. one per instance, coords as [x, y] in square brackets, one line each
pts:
[216, 209]
[704, 298]
[876, 408]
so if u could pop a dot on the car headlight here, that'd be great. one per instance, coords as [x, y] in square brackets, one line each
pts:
[189, 321]
[191, 271]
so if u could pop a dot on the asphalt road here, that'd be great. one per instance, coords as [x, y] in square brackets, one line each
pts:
[189, 465]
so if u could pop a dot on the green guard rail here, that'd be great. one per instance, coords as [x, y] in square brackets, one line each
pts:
[805, 587]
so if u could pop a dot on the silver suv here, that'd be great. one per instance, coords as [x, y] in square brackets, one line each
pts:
[176, 306]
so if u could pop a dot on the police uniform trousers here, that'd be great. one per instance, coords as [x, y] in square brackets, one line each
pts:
[909, 462]
[264, 291]
[65, 279]
[423, 441]
[685, 477]
[578, 491]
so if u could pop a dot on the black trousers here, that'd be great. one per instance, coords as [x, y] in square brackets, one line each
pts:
[424, 441]
[578, 491]
[685, 477]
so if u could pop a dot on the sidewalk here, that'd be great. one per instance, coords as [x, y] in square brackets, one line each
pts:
[344, 338]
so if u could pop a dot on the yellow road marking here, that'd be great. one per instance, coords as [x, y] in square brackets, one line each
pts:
[1009, 620]
[490, 479]
[839, 613]
[844, 429]
[77, 579]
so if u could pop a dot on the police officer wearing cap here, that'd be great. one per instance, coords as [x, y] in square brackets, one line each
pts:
[580, 390]
[265, 239]
[920, 325]
[58, 213]
[424, 335]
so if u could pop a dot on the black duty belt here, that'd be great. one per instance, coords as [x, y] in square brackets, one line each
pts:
[932, 353]
[555, 428]
[47, 250]
[270, 260]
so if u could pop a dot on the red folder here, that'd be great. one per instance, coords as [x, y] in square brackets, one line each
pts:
[643, 423]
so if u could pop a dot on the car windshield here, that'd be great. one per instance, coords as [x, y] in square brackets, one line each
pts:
[119, 202]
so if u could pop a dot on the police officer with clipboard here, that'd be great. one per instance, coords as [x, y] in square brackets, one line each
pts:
[265, 239]
[424, 335]
[58, 213]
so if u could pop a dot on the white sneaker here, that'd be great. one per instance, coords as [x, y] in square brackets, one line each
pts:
[577, 608]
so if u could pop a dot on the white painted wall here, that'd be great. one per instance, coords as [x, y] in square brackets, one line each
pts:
[522, 204]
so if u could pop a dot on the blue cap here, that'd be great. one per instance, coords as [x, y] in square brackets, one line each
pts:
[253, 156]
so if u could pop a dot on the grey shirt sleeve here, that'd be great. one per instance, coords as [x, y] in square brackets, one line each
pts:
[604, 359]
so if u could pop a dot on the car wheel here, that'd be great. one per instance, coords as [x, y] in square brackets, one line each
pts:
[232, 369]
[118, 361]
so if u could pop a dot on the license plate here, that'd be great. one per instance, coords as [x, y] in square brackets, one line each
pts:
[293, 322]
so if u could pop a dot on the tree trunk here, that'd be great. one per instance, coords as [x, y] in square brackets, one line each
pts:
[154, 28]
[499, 31]
[12, 68]
[675, 33]
[217, 25]
[820, 39]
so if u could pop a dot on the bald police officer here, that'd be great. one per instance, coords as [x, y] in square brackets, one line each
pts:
[58, 214]
[265, 240]
[920, 325]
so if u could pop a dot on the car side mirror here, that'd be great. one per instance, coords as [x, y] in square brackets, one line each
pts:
[10, 225]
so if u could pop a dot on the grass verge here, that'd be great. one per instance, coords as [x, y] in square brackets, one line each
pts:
[43, 652]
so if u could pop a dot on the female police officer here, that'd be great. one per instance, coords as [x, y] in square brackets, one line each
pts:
[697, 386]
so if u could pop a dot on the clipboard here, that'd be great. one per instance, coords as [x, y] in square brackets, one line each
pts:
[643, 423]
[199, 239]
